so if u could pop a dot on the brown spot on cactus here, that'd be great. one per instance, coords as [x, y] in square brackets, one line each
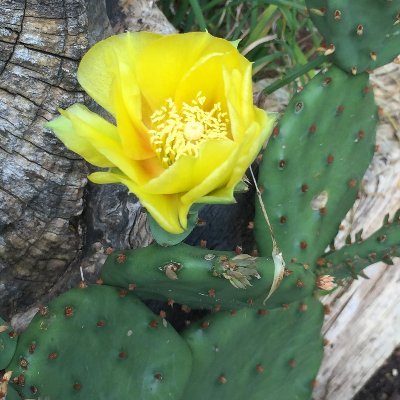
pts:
[381, 238]
[68, 311]
[205, 325]
[259, 368]
[313, 128]
[99, 281]
[122, 355]
[185, 308]
[12, 334]
[23, 363]
[360, 135]
[298, 106]
[132, 287]
[262, 312]
[283, 219]
[326, 342]
[153, 324]
[250, 302]
[303, 245]
[354, 70]
[43, 310]
[158, 376]
[373, 55]
[163, 314]
[321, 261]
[233, 313]
[53, 355]
[121, 258]
[352, 183]
[82, 285]
[254, 253]
[250, 225]
[275, 131]
[304, 187]
[19, 380]
[340, 109]
[287, 272]
[122, 293]
[303, 307]
[338, 15]
[293, 260]
[32, 348]
[101, 323]
[222, 380]
[33, 389]
[314, 383]
[203, 243]
[360, 29]
[282, 164]
[292, 363]
[306, 266]
[217, 308]
[285, 306]
[300, 283]
[325, 282]
[323, 211]
[330, 159]
[372, 256]
[77, 386]
[108, 250]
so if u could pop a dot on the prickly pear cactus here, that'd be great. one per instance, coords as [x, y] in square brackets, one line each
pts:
[99, 343]
[313, 164]
[8, 342]
[256, 354]
[365, 33]
[351, 259]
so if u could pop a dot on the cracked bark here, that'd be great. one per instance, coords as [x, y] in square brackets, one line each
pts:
[45, 203]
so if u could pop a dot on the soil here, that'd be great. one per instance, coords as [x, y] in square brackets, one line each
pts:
[385, 383]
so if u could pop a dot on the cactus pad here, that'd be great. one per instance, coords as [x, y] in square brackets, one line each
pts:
[8, 343]
[256, 355]
[201, 278]
[99, 343]
[365, 33]
[350, 260]
[314, 162]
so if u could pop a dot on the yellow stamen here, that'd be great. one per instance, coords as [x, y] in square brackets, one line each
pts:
[176, 133]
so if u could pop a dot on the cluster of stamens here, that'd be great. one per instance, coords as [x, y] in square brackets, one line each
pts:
[178, 132]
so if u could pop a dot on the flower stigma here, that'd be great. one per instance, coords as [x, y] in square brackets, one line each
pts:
[179, 132]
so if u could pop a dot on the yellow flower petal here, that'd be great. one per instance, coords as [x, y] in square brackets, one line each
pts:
[165, 62]
[238, 92]
[169, 212]
[102, 137]
[69, 134]
[116, 54]
[256, 136]
[190, 171]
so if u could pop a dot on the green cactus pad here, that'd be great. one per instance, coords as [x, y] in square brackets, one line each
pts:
[188, 275]
[195, 277]
[350, 260]
[365, 33]
[314, 162]
[8, 343]
[99, 343]
[257, 356]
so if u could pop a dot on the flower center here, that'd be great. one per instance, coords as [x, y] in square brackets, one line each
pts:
[177, 133]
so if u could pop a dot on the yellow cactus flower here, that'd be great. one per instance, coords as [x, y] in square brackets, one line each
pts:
[185, 126]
